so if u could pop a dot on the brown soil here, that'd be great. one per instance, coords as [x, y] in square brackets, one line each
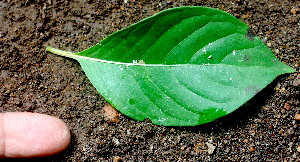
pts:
[37, 81]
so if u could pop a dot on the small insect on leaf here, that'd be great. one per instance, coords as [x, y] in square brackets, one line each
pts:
[181, 67]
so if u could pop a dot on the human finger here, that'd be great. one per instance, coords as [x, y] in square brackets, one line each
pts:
[24, 134]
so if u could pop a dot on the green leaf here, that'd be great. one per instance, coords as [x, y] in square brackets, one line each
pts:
[183, 66]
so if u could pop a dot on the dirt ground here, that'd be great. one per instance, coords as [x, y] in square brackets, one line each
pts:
[33, 80]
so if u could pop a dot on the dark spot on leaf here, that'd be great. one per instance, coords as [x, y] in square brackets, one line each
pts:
[246, 58]
[131, 101]
[249, 35]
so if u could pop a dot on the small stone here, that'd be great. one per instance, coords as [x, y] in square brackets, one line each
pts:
[111, 113]
[298, 148]
[117, 159]
[199, 147]
[182, 148]
[281, 131]
[211, 148]
[297, 117]
[245, 16]
[296, 82]
[116, 141]
[290, 131]
[227, 149]
[293, 11]
[287, 106]
[172, 130]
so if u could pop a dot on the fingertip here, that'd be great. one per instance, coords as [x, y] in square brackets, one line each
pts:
[59, 136]
[32, 135]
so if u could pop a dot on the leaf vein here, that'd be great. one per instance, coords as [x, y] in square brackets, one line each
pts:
[149, 97]
[182, 107]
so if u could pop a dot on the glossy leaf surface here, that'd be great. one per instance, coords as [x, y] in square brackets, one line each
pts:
[182, 66]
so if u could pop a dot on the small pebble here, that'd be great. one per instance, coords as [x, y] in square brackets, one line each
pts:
[293, 11]
[252, 149]
[297, 117]
[116, 141]
[111, 113]
[182, 148]
[281, 131]
[298, 148]
[117, 159]
[296, 82]
[287, 106]
[172, 130]
[290, 131]
[211, 148]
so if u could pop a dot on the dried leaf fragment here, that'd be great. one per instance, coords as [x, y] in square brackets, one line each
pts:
[111, 113]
